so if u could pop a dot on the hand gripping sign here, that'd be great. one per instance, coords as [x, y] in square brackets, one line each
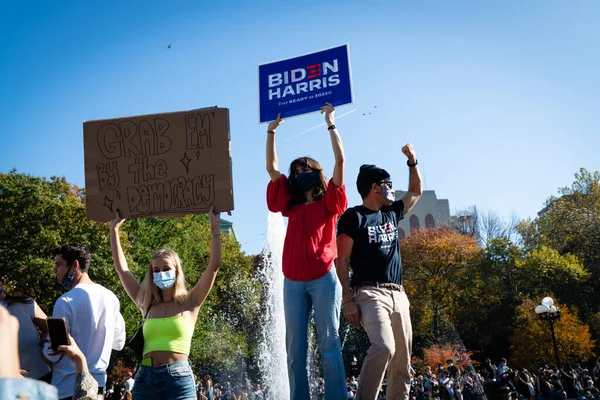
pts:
[303, 84]
[169, 164]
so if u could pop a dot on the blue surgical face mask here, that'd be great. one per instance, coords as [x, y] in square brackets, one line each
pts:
[164, 280]
[67, 282]
[307, 180]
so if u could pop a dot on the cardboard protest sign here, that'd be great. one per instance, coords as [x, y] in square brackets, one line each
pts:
[169, 164]
[303, 84]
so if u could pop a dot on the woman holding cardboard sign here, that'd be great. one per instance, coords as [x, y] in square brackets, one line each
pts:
[312, 206]
[170, 315]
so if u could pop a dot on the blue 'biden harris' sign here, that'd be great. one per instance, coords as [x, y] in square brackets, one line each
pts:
[303, 84]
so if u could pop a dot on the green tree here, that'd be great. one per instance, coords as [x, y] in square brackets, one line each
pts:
[36, 215]
[544, 270]
[570, 224]
[485, 315]
[484, 309]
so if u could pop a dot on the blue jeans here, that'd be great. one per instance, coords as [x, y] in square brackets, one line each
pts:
[325, 295]
[27, 388]
[171, 381]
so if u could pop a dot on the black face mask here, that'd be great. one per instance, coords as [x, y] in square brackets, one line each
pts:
[307, 180]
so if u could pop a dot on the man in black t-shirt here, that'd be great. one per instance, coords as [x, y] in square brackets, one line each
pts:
[368, 243]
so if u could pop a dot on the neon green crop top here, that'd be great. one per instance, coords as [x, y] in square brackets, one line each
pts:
[168, 334]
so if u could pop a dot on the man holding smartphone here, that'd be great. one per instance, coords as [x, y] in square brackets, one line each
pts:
[92, 316]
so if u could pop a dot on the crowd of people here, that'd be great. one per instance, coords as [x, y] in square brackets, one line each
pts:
[503, 382]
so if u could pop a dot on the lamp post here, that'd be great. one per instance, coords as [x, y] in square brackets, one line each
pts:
[548, 312]
[354, 363]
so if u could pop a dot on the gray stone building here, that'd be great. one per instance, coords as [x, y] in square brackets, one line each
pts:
[428, 212]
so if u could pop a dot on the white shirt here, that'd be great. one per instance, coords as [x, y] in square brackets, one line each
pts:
[29, 343]
[129, 385]
[94, 321]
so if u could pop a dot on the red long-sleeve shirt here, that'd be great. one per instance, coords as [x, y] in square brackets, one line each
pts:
[309, 248]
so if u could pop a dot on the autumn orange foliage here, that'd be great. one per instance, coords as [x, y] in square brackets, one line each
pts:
[432, 258]
[434, 264]
[531, 343]
[439, 353]
[118, 371]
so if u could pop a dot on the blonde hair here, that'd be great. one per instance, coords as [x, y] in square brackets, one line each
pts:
[150, 293]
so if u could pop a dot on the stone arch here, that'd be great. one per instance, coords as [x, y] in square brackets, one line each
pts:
[429, 221]
[414, 222]
[401, 233]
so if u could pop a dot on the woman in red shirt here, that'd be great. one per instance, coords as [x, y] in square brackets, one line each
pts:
[313, 207]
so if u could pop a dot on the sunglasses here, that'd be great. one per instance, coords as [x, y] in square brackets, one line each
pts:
[387, 184]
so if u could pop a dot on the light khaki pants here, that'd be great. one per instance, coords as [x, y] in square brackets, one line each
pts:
[385, 317]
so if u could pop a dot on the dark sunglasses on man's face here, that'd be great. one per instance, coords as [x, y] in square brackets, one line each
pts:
[387, 184]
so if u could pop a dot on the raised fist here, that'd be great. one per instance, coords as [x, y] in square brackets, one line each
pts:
[409, 152]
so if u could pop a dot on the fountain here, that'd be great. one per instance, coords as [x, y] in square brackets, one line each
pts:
[312, 356]
[272, 361]
[450, 335]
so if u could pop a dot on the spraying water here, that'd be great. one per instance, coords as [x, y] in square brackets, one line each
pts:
[273, 357]
[450, 334]
[312, 358]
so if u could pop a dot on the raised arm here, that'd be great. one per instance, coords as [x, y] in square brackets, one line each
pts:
[131, 285]
[351, 311]
[205, 283]
[336, 143]
[415, 189]
[272, 163]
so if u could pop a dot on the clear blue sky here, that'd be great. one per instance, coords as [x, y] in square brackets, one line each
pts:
[500, 99]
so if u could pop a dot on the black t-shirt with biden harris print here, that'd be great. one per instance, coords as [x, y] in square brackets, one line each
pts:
[375, 254]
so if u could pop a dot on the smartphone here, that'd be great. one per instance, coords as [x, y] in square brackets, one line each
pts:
[57, 328]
